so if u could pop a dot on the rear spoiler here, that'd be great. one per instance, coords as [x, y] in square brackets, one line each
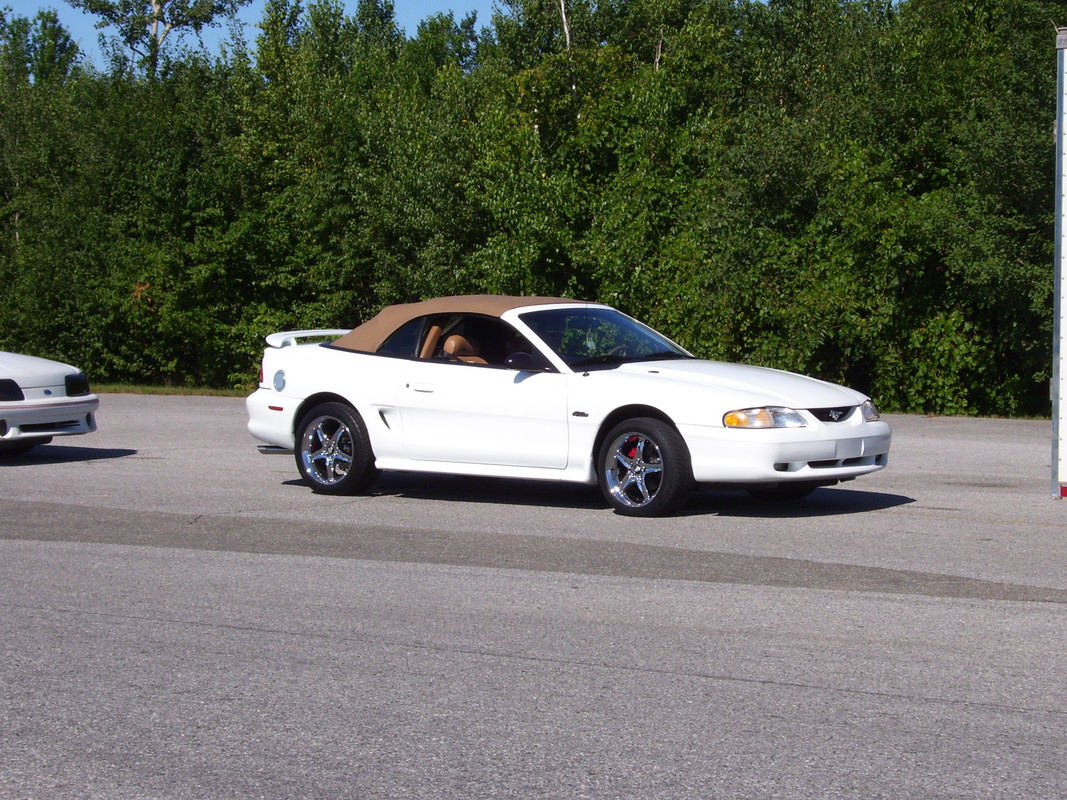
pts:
[288, 338]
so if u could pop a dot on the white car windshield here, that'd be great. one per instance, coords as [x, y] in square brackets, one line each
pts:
[597, 337]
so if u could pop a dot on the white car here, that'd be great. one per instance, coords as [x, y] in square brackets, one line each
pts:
[548, 388]
[40, 399]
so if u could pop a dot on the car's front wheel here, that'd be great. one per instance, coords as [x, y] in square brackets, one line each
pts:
[644, 468]
[333, 451]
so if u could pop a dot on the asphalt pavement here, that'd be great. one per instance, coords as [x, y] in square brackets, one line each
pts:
[180, 617]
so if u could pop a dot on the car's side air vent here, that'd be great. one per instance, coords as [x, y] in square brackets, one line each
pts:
[832, 414]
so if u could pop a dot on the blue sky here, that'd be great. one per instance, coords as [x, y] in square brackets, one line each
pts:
[409, 13]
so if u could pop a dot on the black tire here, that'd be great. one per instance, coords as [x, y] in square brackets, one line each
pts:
[644, 469]
[17, 447]
[782, 495]
[333, 451]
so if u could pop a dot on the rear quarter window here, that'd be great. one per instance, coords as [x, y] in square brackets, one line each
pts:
[404, 341]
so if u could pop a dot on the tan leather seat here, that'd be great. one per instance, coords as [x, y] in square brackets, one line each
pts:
[463, 348]
[430, 344]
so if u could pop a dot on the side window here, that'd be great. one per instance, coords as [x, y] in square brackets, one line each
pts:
[461, 339]
[479, 340]
[404, 341]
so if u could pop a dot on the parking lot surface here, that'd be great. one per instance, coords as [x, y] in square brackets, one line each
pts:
[180, 617]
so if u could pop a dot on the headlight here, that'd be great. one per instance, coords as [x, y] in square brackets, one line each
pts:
[10, 391]
[768, 417]
[870, 413]
[77, 385]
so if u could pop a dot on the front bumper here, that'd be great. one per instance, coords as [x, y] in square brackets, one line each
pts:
[37, 419]
[815, 454]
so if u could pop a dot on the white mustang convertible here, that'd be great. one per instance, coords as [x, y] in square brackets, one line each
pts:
[547, 388]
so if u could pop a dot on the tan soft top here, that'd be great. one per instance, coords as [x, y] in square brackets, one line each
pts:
[369, 336]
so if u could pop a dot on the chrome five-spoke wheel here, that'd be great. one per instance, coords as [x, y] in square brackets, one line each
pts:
[326, 449]
[644, 468]
[333, 450]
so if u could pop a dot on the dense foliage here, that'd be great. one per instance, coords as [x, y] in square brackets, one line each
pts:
[856, 189]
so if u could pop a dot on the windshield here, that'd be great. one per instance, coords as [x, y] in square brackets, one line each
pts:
[592, 337]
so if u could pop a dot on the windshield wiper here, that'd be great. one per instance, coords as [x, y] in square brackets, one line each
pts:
[600, 361]
[610, 359]
[663, 355]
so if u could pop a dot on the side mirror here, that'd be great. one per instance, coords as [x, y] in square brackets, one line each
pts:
[525, 362]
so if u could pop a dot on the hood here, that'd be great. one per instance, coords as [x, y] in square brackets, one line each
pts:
[751, 386]
[30, 372]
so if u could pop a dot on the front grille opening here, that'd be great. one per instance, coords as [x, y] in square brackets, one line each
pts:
[838, 414]
[44, 427]
[861, 461]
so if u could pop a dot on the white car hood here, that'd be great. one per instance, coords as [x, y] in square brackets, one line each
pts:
[753, 385]
[32, 372]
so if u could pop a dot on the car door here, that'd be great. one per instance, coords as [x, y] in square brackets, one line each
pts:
[480, 414]
[462, 408]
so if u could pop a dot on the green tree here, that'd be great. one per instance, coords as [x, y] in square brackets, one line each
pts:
[144, 25]
[40, 50]
[857, 189]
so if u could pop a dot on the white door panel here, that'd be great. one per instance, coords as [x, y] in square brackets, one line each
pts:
[483, 415]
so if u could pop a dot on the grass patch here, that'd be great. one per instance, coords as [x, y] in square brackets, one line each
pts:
[198, 391]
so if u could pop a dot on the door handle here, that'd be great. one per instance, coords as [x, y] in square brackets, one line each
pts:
[426, 388]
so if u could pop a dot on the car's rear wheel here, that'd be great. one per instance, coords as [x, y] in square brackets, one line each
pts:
[333, 451]
[644, 468]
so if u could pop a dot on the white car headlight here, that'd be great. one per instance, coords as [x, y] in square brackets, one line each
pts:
[767, 417]
[870, 413]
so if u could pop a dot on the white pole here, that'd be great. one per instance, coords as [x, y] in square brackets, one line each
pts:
[1059, 346]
